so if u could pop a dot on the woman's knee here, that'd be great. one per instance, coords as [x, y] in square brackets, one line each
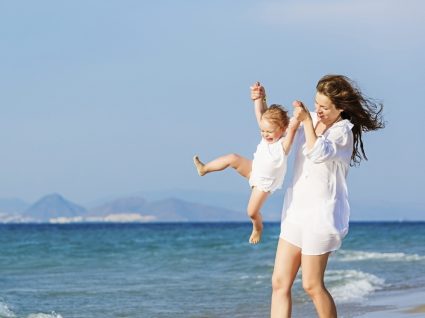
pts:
[312, 287]
[280, 284]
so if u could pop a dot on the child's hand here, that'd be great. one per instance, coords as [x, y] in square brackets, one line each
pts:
[257, 91]
[301, 113]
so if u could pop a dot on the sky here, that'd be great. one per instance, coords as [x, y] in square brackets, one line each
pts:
[109, 98]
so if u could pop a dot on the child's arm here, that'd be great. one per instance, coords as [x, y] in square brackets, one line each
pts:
[290, 135]
[258, 95]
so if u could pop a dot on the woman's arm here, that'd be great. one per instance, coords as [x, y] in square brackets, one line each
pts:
[337, 145]
[258, 95]
[302, 114]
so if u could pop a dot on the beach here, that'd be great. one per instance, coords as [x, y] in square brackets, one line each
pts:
[397, 304]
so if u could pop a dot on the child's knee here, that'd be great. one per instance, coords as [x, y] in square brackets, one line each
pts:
[233, 158]
[252, 212]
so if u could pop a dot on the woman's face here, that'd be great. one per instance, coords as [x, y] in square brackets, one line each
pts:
[326, 110]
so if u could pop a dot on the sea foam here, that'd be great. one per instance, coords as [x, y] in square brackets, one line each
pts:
[5, 312]
[349, 256]
[352, 285]
[41, 315]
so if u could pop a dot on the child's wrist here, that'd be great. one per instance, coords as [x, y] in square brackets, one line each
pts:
[262, 98]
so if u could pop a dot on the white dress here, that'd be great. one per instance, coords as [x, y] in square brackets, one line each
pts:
[268, 167]
[315, 210]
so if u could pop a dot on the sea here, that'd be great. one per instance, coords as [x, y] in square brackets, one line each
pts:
[189, 269]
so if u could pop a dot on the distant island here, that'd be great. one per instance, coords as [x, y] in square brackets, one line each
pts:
[176, 205]
[54, 208]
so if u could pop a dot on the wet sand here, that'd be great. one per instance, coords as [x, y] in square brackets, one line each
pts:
[397, 304]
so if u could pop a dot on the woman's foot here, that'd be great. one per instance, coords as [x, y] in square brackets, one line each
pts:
[199, 165]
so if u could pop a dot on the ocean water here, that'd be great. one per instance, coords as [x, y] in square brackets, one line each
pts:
[188, 270]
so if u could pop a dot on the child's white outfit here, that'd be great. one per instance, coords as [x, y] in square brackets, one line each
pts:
[269, 166]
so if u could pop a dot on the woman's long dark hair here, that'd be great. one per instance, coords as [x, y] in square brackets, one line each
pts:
[364, 113]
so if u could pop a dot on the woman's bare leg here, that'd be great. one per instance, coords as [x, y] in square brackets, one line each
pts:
[255, 203]
[286, 265]
[313, 272]
[240, 164]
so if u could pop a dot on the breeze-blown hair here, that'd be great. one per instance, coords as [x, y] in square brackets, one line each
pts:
[277, 115]
[364, 113]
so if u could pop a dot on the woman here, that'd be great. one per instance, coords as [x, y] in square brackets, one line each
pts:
[316, 212]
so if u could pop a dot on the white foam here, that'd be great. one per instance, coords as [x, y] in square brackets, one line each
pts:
[349, 256]
[352, 285]
[41, 315]
[5, 312]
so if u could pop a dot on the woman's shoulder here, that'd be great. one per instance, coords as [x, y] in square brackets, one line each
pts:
[344, 125]
[341, 129]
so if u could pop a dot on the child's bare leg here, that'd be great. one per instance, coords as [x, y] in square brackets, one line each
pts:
[237, 162]
[256, 201]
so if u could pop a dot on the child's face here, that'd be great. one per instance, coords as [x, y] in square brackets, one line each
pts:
[269, 131]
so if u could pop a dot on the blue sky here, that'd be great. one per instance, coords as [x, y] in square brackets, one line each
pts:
[108, 98]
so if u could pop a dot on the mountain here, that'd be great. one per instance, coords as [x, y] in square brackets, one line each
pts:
[132, 204]
[177, 210]
[235, 201]
[53, 206]
[166, 210]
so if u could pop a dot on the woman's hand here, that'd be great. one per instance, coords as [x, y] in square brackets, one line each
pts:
[257, 91]
[301, 113]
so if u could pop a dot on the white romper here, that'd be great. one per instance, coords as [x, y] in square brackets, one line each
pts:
[268, 167]
[315, 210]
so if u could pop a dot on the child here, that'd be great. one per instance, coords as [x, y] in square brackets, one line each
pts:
[267, 170]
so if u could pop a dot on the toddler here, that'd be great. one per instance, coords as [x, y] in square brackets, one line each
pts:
[267, 170]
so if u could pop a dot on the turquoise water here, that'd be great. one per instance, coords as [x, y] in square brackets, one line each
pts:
[188, 270]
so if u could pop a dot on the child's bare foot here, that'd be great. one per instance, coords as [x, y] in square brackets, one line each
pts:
[199, 165]
[257, 230]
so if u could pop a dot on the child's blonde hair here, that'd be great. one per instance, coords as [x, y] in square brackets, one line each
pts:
[277, 115]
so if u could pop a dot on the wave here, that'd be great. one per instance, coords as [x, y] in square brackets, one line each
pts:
[352, 285]
[349, 256]
[40, 315]
[6, 312]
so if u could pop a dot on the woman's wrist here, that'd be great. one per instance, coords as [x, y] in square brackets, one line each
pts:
[307, 119]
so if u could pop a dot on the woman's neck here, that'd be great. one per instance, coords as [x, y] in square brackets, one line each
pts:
[326, 126]
[335, 121]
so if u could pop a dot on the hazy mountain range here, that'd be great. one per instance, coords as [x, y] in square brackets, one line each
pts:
[54, 208]
[179, 206]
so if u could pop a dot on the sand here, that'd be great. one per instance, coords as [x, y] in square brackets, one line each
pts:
[397, 304]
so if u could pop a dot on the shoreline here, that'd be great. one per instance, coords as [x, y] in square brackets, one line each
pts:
[396, 304]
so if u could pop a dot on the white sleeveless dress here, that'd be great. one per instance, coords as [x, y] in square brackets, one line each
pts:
[269, 166]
